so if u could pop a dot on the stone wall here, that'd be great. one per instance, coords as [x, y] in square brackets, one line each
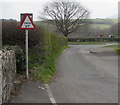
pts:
[8, 74]
[0, 77]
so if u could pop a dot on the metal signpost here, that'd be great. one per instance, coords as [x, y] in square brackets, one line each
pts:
[27, 23]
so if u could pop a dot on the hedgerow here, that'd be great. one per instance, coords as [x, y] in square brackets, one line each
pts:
[42, 43]
[103, 39]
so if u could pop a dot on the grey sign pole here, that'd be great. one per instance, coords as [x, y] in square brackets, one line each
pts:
[26, 23]
[26, 34]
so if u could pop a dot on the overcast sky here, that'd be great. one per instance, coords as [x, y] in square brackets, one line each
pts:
[98, 8]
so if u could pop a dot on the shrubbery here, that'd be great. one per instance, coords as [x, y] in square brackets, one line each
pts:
[42, 43]
[11, 34]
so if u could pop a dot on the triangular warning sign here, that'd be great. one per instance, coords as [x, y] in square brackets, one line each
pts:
[27, 23]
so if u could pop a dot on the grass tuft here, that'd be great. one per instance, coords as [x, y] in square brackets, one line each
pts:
[117, 50]
[46, 71]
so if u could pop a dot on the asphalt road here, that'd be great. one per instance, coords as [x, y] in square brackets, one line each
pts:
[85, 77]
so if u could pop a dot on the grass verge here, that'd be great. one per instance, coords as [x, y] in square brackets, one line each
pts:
[113, 46]
[46, 71]
[116, 48]
[86, 43]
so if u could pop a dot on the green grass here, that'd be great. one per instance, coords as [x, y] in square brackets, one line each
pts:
[47, 70]
[97, 19]
[113, 46]
[100, 26]
[85, 43]
[115, 20]
[117, 50]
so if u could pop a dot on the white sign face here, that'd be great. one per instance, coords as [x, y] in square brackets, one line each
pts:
[27, 23]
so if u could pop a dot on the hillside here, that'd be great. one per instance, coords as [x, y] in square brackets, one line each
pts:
[105, 20]
[102, 23]
[92, 27]
[93, 23]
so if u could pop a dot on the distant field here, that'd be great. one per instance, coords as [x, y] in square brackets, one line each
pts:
[97, 20]
[115, 20]
[103, 26]
[94, 26]
[101, 20]
[100, 26]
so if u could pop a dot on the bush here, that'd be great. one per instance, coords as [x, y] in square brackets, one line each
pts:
[49, 44]
[16, 37]
[11, 34]
[53, 43]
[43, 45]
[39, 38]
[117, 50]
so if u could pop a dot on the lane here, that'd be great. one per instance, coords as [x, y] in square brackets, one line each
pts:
[83, 77]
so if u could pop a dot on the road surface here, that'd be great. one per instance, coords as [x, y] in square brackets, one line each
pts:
[85, 77]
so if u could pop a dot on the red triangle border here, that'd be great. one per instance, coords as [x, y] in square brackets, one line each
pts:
[24, 20]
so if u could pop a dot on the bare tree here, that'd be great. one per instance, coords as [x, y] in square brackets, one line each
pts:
[67, 16]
